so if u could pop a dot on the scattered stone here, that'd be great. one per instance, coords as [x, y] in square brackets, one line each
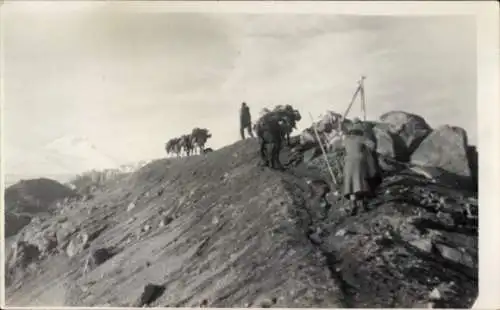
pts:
[23, 254]
[165, 221]
[224, 176]
[468, 210]
[423, 245]
[340, 233]
[96, 257]
[266, 303]
[441, 293]
[77, 244]
[146, 228]
[62, 219]
[446, 219]
[435, 294]
[442, 200]
[131, 206]
[150, 293]
[456, 255]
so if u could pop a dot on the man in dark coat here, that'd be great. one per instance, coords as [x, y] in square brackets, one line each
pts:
[360, 166]
[245, 121]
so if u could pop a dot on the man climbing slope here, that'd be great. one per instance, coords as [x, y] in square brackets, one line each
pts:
[245, 121]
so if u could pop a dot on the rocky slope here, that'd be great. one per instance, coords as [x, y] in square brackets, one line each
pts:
[218, 230]
[29, 198]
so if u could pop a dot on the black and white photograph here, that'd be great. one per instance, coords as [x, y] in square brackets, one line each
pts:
[245, 155]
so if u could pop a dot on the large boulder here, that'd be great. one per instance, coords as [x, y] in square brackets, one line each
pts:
[473, 157]
[22, 254]
[386, 144]
[390, 147]
[445, 148]
[19, 259]
[412, 129]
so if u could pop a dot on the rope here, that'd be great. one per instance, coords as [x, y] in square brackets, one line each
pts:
[359, 89]
[323, 150]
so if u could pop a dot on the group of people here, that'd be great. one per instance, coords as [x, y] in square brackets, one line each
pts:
[362, 173]
[189, 144]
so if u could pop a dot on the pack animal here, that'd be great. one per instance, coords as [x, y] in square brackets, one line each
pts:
[270, 133]
[289, 118]
[186, 144]
[199, 137]
[173, 146]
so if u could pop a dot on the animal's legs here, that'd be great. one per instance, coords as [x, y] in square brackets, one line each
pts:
[263, 156]
[276, 155]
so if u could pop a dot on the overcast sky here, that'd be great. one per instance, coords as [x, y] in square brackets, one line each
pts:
[130, 81]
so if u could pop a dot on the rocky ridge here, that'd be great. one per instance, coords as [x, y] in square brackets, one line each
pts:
[217, 230]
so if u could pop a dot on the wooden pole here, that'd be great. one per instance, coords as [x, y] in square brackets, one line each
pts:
[352, 102]
[362, 95]
[323, 150]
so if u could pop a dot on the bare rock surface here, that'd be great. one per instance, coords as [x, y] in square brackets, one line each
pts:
[446, 148]
[223, 232]
[29, 198]
[411, 128]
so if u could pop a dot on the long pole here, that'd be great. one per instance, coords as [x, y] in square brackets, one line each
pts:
[352, 102]
[362, 95]
[323, 150]
[358, 90]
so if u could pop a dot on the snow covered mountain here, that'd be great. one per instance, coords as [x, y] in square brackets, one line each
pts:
[78, 154]
[65, 156]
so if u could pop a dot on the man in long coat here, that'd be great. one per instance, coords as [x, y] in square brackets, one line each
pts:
[360, 166]
[245, 121]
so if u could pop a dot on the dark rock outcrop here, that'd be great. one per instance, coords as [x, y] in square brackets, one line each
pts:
[410, 127]
[18, 259]
[415, 236]
[150, 293]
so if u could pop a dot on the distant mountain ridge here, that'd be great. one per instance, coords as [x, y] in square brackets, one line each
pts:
[61, 159]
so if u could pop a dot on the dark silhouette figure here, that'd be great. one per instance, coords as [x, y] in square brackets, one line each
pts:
[245, 121]
[269, 131]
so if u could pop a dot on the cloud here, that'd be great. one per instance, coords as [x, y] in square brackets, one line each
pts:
[130, 81]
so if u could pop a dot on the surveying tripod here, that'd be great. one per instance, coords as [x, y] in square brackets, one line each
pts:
[359, 90]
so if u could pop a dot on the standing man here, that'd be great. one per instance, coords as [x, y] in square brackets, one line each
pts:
[245, 121]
